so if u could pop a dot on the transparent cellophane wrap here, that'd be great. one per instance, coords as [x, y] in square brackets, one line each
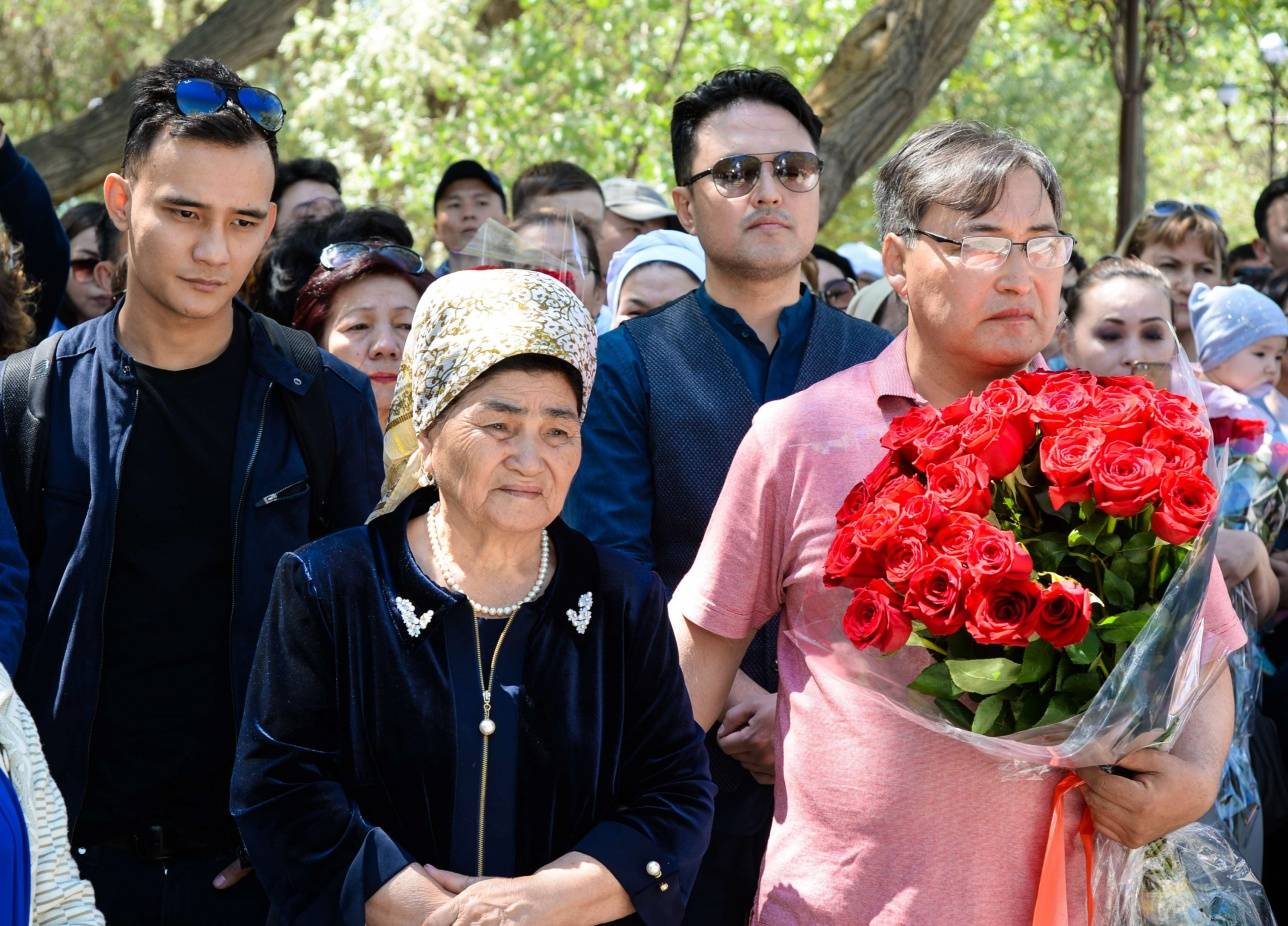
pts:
[495, 245]
[1144, 702]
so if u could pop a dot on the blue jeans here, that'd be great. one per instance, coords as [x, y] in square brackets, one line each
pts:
[176, 892]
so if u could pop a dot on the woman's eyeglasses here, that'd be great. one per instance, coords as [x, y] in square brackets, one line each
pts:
[335, 256]
[1166, 207]
[738, 174]
[199, 96]
[838, 293]
[83, 268]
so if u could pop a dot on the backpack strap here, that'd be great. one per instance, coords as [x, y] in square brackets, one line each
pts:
[310, 416]
[25, 386]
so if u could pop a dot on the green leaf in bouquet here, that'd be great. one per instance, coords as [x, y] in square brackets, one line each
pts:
[1109, 544]
[1062, 669]
[1029, 709]
[1134, 574]
[916, 639]
[1117, 591]
[1140, 543]
[1084, 652]
[987, 714]
[1082, 685]
[983, 676]
[956, 712]
[1123, 627]
[1061, 707]
[1048, 551]
[962, 645]
[935, 681]
[1039, 659]
[1064, 512]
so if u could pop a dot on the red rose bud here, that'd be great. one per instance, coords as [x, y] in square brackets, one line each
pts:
[1066, 461]
[905, 429]
[854, 503]
[961, 484]
[999, 441]
[902, 489]
[1186, 502]
[934, 596]
[1126, 478]
[845, 563]
[1241, 431]
[873, 619]
[1064, 613]
[996, 556]
[1006, 397]
[1003, 614]
[1119, 414]
[904, 555]
[936, 445]
[955, 535]
[1062, 401]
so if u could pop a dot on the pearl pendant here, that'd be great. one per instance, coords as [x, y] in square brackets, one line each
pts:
[487, 727]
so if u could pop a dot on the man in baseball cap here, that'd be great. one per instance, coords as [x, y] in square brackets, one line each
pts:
[468, 195]
[631, 209]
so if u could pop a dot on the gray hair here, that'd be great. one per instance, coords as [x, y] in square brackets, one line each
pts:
[959, 165]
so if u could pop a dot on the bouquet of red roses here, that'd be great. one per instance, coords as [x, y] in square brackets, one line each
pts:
[1024, 538]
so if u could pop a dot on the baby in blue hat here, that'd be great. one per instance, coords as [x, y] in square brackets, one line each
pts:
[1242, 337]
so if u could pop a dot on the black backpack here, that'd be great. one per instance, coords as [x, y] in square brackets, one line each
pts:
[25, 386]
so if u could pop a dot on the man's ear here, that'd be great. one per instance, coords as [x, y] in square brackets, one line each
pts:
[894, 256]
[1261, 250]
[104, 270]
[681, 196]
[117, 193]
[271, 221]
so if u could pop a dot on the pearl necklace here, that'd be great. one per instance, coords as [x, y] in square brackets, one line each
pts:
[447, 567]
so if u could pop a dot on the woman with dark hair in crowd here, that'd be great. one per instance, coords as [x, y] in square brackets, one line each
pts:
[85, 297]
[1187, 242]
[359, 303]
[17, 295]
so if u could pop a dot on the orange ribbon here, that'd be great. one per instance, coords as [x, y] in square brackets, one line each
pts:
[1052, 905]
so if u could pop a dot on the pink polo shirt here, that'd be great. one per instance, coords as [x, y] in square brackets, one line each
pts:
[876, 820]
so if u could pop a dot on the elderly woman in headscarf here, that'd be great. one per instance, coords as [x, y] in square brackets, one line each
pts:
[465, 712]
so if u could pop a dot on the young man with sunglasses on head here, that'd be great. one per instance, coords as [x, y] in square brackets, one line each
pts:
[184, 454]
[677, 390]
[880, 820]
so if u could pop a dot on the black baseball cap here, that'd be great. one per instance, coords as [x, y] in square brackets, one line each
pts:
[469, 170]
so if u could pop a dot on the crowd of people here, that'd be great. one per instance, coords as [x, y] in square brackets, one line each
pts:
[340, 588]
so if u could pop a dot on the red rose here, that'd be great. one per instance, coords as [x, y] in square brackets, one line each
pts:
[959, 410]
[903, 556]
[1119, 414]
[905, 429]
[937, 444]
[995, 556]
[921, 515]
[1066, 461]
[934, 596]
[902, 489]
[1032, 381]
[956, 533]
[874, 619]
[1064, 613]
[999, 441]
[876, 524]
[1179, 415]
[1238, 431]
[854, 502]
[1185, 504]
[960, 484]
[886, 470]
[1061, 401]
[1179, 449]
[1136, 384]
[1006, 397]
[1126, 478]
[848, 562]
[1004, 613]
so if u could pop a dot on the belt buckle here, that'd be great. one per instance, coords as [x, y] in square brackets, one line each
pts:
[151, 843]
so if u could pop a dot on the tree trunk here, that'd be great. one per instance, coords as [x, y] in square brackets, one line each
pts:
[1131, 122]
[76, 155]
[884, 72]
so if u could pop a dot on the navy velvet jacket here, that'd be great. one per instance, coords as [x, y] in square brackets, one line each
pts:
[359, 751]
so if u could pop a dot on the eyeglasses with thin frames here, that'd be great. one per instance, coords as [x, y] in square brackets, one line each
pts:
[988, 252]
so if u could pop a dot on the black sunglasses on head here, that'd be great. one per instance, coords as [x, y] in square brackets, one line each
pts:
[200, 96]
[335, 256]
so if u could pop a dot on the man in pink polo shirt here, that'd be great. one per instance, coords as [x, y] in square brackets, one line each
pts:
[878, 820]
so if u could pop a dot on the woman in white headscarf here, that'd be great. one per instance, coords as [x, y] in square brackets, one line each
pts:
[653, 269]
[465, 711]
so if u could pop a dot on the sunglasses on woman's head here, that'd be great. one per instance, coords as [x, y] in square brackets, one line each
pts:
[335, 256]
[1166, 207]
[738, 174]
[200, 96]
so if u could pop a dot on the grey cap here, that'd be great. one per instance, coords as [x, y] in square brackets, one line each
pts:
[634, 200]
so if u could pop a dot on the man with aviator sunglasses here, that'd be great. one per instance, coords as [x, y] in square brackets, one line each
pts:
[677, 389]
[185, 453]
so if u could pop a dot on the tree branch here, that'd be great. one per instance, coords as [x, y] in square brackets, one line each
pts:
[665, 80]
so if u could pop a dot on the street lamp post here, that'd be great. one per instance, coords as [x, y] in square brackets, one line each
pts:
[1274, 52]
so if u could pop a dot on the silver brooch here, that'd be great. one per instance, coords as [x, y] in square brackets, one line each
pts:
[580, 619]
[413, 623]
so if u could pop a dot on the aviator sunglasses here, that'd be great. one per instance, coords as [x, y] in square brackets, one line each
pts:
[200, 96]
[738, 174]
[1166, 207]
[335, 256]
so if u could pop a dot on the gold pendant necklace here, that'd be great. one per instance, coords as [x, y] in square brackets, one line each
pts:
[487, 726]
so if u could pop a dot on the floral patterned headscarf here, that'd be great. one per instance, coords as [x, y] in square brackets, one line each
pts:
[465, 324]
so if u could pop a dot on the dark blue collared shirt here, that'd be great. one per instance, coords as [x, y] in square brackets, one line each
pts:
[615, 436]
